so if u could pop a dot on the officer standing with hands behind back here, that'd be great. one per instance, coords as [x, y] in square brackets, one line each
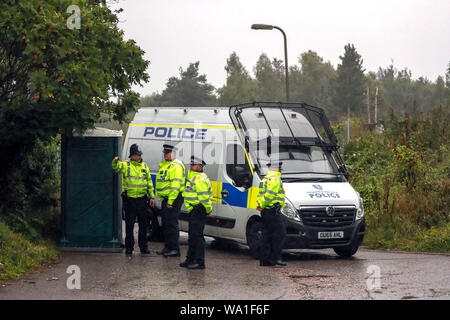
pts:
[198, 201]
[138, 188]
[170, 183]
[271, 199]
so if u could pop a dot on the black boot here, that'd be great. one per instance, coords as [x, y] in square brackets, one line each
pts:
[196, 266]
[162, 252]
[184, 264]
[172, 253]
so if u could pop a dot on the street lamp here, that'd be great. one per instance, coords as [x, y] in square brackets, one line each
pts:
[269, 27]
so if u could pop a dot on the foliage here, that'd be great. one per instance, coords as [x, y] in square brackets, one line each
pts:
[18, 254]
[312, 83]
[315, 82]
[32, 206]
[399, 92]
[190, 90]
[270, 77]
[53, 80]
[403, 176]
[240, 87]
[148, 100]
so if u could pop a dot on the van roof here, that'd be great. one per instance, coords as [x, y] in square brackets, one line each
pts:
[204, 115]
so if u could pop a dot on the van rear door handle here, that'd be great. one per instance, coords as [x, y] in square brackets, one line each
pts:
[225, 193]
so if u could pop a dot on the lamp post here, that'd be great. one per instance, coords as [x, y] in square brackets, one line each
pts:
[269, 27]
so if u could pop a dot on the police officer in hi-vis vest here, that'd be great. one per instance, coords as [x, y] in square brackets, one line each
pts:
[270, 200]
[138, 189]
[198, 201]
[170, 183]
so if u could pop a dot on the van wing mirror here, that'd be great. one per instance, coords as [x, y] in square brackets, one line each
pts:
[242, 176]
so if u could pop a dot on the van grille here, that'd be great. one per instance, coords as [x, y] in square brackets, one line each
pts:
[318, 217]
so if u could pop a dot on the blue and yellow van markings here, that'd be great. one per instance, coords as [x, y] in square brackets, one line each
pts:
[235, 197]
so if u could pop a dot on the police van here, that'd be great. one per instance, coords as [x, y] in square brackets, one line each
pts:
[322, 209]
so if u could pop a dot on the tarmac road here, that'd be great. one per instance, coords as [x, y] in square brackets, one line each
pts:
[232, 274]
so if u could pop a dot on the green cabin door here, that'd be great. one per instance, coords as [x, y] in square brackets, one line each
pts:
[89, 189]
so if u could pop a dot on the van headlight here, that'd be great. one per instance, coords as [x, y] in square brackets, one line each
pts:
[289, 211]
[360, 209]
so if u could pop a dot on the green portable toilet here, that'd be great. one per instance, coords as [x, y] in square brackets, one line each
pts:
[90, 192]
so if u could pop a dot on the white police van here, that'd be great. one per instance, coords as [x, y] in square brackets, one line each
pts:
[322, 209]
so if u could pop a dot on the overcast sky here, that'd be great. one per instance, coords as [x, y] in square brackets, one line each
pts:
[412, 33]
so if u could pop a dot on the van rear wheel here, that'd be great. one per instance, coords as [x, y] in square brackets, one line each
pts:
[254, 238]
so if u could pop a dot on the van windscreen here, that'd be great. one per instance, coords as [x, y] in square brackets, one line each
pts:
[296, 133]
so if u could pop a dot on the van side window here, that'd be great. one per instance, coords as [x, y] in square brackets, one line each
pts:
[235, 156]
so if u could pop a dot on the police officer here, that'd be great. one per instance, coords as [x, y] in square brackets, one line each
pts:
[270, 200]
[170, 183]
[198, 201]
[138, 188]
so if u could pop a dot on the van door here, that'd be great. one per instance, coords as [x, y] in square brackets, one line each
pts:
[234, 203]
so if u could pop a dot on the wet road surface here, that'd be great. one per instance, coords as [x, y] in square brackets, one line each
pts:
[232, 274]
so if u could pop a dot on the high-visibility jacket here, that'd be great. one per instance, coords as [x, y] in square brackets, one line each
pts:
[198, 191]
[171, 180]
[271, 190]
[136, 178]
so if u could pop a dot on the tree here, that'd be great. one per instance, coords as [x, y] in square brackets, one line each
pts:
[313, 82]
[349, 86]
[401, 93]
[270, 77]
[440, 95]
[148, 100]
[398, 89]
[54, 78]
[189, 90]
[57, 76]
[240, 87]
[447, 85]
[447, 76]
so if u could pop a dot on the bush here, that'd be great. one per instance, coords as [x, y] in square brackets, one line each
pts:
[30, 203]
[402, 175]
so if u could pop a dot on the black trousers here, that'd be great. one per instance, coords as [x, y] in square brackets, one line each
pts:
[136, 207]
[196, 241]
[274, 233]
[169, 219]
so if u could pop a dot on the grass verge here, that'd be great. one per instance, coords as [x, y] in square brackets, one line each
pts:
[18, 254]
[435, 239]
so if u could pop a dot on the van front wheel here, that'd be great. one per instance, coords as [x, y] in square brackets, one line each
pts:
[346, 252]
[254, 238]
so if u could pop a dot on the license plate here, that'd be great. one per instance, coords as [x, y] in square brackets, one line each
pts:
[331, 235]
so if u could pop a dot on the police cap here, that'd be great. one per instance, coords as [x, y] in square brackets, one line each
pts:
[195, 160]
[168, 148]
